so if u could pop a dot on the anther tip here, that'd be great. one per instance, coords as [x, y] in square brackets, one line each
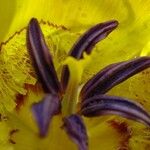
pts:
[33, 20]
[114, 23]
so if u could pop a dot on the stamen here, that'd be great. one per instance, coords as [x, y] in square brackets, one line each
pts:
[91, 37]
[75, 128]
[44, 111]
[104, 104]
[94, 79]
[113, 75]
[41, 58]
[85, 44]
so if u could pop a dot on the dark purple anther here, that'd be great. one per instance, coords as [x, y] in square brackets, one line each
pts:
[112, 75]
[44, 111]
[75, 128]
[104, 104]
[85, 44]
[94, 79]
[92, 36]
[41, 58]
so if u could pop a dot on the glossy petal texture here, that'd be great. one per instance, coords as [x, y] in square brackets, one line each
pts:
[41, 58]
[104, 104]
[75, 128]
[44, 111]
[113, 75]
[86, 42]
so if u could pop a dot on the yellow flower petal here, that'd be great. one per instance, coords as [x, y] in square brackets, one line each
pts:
[130, 40]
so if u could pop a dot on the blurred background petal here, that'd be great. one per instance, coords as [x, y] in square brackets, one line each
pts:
[73, 14]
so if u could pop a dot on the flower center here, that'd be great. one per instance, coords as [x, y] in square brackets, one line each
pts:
[71, 96]
[66, 94]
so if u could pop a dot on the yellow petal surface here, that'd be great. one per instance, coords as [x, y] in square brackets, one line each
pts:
[131, 39]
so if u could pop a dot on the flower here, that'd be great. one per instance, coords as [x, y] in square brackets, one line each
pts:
[18, 122]
[93, 100]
